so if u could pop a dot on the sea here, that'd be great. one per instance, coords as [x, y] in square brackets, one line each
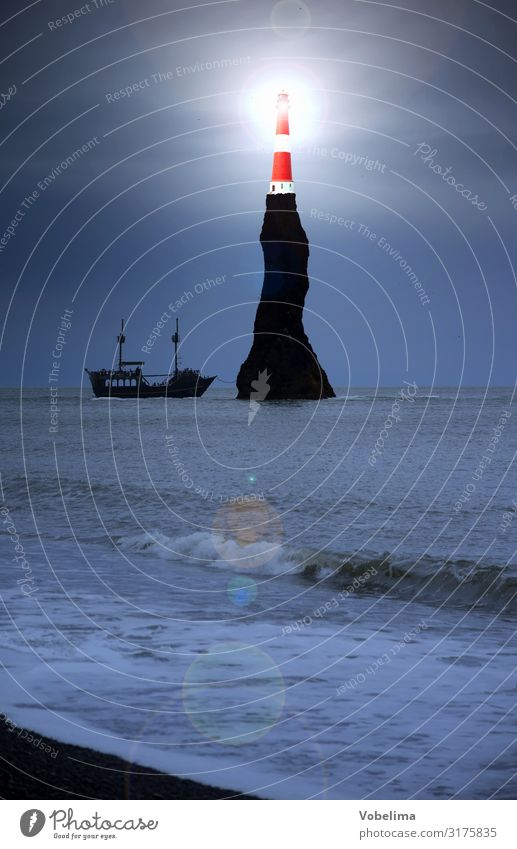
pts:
[300, 599]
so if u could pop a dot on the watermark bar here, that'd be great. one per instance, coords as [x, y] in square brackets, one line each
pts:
[153, 823]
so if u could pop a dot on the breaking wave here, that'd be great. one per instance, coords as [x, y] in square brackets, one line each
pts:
[426, 580]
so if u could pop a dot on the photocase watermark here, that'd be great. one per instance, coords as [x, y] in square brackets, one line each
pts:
[483, 462]
[359, 582]
[77, 14]
[54, 374]
[62, 166]
[427, 155]
[96, 826]
[394, 254]
[27, 582]
[181, 71]
[5, 97]
[176, 305]
[383, 660]
[363, 230]
[393, 417]
[332, 218]
[347, 157]
[11, 231]
[23, 734]
[31, 822]
[203, 491]
[508, 517]
[96, 822]
[178, 465]
[261, 390]
[397, 257]
[32, 198]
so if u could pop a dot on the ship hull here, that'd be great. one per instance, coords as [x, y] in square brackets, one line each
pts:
[173, 389]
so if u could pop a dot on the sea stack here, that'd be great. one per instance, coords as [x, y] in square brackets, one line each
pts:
[281, 352]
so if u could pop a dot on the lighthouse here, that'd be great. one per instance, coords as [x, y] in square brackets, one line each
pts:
[280, 347]
[282, 176]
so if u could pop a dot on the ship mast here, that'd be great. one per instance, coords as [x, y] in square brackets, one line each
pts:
[176, 339]
[120, 339]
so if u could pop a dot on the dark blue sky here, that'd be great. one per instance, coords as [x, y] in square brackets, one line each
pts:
[170, 190]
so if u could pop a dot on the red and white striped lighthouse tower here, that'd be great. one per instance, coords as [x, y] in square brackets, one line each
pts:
[282, 176]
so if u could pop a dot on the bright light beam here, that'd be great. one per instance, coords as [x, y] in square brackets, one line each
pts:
[306, 108]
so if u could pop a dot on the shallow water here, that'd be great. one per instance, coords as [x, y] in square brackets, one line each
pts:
[297, 607]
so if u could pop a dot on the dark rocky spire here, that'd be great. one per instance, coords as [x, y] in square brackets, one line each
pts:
[280, 345]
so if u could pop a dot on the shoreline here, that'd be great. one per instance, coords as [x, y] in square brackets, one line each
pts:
[28, 770]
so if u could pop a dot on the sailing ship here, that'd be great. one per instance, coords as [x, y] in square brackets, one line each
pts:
[129, 382]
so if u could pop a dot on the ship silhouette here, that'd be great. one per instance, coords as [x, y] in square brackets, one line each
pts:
[125, 382]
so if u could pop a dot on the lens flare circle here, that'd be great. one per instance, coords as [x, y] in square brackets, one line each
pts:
[242, 591]
[234, 693]
[247, 534]
[290, 19]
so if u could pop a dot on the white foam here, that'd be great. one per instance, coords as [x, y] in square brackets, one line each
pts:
[262, 557]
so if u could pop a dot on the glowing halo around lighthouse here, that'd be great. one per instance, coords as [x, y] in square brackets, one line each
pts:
[307, 104]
